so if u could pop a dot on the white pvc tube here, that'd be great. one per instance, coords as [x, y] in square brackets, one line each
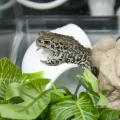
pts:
[31, 61]
[7, 5]
[41, 6]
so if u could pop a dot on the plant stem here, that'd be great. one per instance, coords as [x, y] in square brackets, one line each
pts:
[77, 88]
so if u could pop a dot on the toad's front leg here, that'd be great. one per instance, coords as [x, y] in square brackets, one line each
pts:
[54, 61]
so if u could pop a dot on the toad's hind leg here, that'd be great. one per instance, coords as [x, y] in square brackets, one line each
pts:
[84, 65]
[52, 62]
[89, 66]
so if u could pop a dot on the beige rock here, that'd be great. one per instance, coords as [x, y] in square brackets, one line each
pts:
[96, 57]
[114, 105]
[105, 44]
[103, 80]
[117, 60]
[114, 99]
[106, 57]
[118, 44]
[114, 95]
[108, 68]
[117, 64]
[100, 48]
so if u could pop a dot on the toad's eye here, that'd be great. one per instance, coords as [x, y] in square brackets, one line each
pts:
[47, 42]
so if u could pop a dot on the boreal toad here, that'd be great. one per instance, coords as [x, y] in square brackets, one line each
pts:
[65, 49]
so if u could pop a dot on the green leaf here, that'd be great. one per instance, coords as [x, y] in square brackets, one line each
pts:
[11, 78]
[66, 90]
[92, 84]
[106, 88]
[38, 85]
[90, 81]
[55, 98]
[8, 72]
[103, 100]
[33, 76]
[36, 99]
[108, 114]
[45, 115]
[16, 87]
[81, 109]
[13, 90]
[26, 110]
[94, 97]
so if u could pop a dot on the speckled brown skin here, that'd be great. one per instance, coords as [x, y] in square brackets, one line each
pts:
[65, 49]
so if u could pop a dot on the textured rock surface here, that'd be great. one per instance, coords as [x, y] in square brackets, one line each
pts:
[100, 48]
[106, 57]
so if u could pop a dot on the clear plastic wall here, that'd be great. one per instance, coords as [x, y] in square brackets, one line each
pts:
[20, 24]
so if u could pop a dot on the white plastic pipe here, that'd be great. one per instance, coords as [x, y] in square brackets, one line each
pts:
[31, 61]
[41, 6]
[7, 5]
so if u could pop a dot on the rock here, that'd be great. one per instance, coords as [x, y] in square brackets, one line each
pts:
[117, 60]
[108, 68]
[114, 99]
[117, 65]
[105, 44]
[103, 80]
[96, 57]
[100, 48]
[114, 105]
[106, 57]
[114, 95]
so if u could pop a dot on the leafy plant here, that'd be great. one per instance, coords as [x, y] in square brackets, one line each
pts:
[80, 109]
[24, 97]
[28, 90]
[108, 114]
[91, 83]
